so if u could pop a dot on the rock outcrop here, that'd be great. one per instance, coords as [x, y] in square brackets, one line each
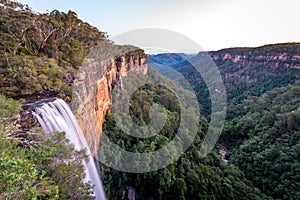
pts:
[281, 55]
[92, 96]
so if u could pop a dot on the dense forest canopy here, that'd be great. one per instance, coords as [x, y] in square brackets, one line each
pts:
[264, 138]
[189, 177]
[39, 57]
[40, 53]
[261, 135]
[245, 71]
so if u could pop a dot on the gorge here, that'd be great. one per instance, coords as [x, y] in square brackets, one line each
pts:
[55, 56]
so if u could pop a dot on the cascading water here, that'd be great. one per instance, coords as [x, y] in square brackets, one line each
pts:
[55, 115]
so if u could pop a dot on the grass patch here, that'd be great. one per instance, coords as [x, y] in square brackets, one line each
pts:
[8, 107]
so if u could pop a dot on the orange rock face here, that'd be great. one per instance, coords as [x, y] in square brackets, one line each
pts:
[93, 93]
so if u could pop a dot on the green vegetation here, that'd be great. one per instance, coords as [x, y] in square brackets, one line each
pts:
[262, 129]
[8, 107]
[263, 135]
[189, 177]
[39, 57]
[43, 169]
[254, 72]
[40, 53]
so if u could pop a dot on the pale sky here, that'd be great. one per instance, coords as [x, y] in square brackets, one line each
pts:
[212, 24]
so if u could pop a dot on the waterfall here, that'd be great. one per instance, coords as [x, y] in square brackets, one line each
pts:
[55, 116]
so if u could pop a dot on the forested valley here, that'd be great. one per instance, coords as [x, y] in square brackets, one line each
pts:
[256, 157]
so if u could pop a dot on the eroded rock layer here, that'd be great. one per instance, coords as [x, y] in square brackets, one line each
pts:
[92, 96]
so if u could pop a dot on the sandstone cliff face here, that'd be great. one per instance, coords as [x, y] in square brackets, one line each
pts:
[93, 91]
[243, 67]
[278, 55]
[275, 59]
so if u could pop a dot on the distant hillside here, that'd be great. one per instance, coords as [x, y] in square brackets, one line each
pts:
[261, 134]
[169, 58]
[245, 71]
[245, 67]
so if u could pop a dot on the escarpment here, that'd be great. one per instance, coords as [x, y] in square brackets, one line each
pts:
[245, 67]
[92, 96]
[278, 55]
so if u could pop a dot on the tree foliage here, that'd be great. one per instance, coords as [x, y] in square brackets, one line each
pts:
[245, 71]
[40, 53]
[264, 141]
[44, 169]
[189, 177]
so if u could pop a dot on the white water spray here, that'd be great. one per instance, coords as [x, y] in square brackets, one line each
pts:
[57, 116]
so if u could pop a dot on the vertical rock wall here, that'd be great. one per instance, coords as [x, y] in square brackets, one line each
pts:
[93, 91]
